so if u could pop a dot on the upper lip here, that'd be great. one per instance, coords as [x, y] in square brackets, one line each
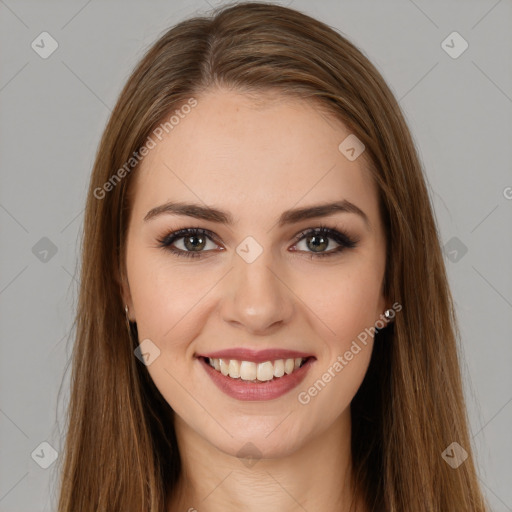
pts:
[256, 356]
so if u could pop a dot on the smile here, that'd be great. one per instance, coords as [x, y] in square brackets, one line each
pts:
[256, 372]
[251, 381]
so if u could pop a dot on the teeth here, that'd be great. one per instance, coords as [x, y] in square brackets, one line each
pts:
[265, 371]
[223, 366]
[234, 368]
[279, 368]
[248, 370]
[289, 365]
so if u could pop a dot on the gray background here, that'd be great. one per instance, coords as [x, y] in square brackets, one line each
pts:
[54, 111]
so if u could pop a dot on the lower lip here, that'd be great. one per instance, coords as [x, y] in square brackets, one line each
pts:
[257, 391]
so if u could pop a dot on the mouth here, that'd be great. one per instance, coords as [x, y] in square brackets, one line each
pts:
[256, 372]
[256, 381]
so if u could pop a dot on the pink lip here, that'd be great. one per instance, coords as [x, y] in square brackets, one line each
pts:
[256, 356]
[257, 391]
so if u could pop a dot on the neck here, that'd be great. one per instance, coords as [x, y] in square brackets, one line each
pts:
[317, 476]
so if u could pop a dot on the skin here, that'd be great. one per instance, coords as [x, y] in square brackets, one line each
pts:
[256, 160]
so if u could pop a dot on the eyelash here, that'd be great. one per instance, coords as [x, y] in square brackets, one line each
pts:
[345, 241]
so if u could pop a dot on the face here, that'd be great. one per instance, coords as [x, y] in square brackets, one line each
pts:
[261, 281]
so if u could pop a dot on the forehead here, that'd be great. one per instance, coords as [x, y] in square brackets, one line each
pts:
[256, 155]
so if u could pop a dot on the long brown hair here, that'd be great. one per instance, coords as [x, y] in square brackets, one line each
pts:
[121, 452]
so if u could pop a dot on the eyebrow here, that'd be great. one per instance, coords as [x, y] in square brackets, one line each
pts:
[288, 217]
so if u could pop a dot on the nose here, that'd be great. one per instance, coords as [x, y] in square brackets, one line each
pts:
[256, 296]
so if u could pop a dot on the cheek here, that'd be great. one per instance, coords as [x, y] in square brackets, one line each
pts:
[341, 301]
[165, 295]
[174, 301]
[345, 301]
[344, 313]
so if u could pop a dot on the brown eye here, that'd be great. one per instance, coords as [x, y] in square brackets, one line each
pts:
[193, 242]
[319, 239]
[318, 243]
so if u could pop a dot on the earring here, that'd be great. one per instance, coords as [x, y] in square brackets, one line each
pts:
[389, 314]
[127, 319]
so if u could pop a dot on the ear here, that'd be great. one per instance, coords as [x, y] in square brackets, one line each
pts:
[383, 304]
[126, 296]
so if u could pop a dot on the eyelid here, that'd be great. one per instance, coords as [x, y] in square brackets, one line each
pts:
[339, 235]
[335, 233]
[172, 236]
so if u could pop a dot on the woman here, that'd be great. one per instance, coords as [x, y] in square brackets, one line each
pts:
[258, 216]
